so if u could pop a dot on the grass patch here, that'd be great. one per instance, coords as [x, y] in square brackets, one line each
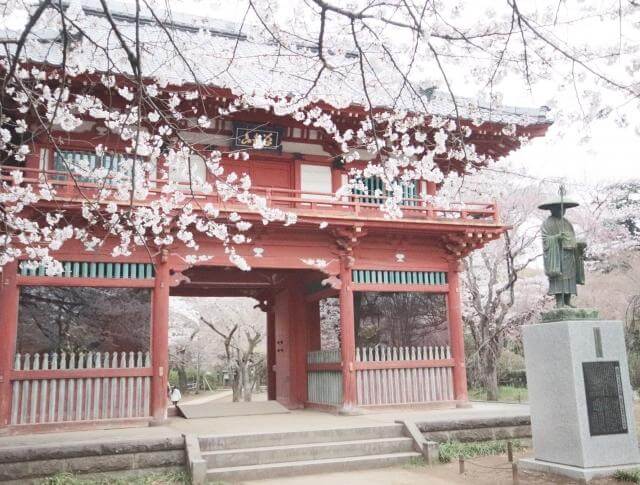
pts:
[505, 394]
[451, 450]
[632, 476]
[161, 478]
[415, 462]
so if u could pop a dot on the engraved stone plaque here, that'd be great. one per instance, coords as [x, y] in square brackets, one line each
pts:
[605, 399]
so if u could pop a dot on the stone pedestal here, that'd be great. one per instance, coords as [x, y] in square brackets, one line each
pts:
[581, 428]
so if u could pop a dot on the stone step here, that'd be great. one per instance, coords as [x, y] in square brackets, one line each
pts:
[257, 440]
[307, 451]
[294, 468]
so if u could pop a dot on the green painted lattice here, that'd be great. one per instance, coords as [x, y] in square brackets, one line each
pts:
[84, 269]
[86, 163]
[375, 185]
[386, 277]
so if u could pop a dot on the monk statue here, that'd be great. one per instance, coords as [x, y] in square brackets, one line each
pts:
[563, 255]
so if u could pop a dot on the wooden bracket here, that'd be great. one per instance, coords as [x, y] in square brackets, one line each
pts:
[462, 243]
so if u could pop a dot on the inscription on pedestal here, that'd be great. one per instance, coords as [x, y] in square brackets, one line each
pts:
[605, 399]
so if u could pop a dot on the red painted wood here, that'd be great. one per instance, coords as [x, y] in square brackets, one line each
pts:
[299, 344]
[160, 340]
[277, 177]
[282, 344]
[456, 333]
[9, 294]
[348, 338]
[22, 375]
[404, 364]
[85, 282]
[271, 354]
[319, 295]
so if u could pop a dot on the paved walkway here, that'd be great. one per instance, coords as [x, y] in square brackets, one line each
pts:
[214, 396]
[309, 419]
[297, 420]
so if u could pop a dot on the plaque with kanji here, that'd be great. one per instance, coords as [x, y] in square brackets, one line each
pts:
[605, 398]
[257, 136]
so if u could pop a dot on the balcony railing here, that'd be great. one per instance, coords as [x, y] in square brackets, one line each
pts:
[303, 203]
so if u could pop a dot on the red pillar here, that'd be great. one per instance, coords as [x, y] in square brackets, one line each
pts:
[298, 341]
[271, 353]
[347, 339]
[9, 293]
[456, 334]
[160, 341]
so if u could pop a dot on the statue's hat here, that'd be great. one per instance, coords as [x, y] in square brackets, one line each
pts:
[566, 203]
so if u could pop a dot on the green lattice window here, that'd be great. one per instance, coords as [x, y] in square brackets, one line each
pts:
[84, 269]
[375, 187]
[386, 277]
[84, 164]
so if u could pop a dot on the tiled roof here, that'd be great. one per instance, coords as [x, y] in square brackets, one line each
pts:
[259, 65]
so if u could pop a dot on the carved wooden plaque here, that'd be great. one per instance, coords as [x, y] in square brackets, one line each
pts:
[605, 398]
[246, 134]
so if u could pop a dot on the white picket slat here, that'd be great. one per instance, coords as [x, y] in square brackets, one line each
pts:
[404, 384]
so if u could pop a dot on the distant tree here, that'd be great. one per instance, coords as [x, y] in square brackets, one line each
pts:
[193, 350]
[402, 319]
[495, 305]
[330, 323]
[241, 356]
[76, 319]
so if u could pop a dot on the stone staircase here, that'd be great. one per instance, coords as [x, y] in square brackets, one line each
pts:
[233, 458]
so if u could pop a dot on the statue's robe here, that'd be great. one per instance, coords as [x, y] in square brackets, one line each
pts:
[563, 256]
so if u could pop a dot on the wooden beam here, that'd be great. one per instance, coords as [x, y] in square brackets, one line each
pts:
[25, 375]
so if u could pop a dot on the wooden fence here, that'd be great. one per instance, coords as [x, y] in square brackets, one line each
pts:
[54, 388]
[324, 377]
[403, 375]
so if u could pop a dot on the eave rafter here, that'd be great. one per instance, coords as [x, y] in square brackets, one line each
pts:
[461, 244]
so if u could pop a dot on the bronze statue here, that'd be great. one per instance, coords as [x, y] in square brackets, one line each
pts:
[563, 255]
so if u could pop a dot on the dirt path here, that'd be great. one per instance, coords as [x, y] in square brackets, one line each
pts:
[489, 470]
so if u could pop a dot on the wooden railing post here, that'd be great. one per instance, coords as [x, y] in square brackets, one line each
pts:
[160, 340]
[9, 294]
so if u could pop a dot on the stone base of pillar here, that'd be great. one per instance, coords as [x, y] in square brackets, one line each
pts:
[159, 422]
[350, 411]
[463, 405]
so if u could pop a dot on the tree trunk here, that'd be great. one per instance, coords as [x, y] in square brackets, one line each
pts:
[246, 384]
[236, 385]
[198, 380]
[182, 379]
[489, 369]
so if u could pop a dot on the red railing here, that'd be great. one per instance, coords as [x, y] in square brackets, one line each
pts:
[302, 202]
